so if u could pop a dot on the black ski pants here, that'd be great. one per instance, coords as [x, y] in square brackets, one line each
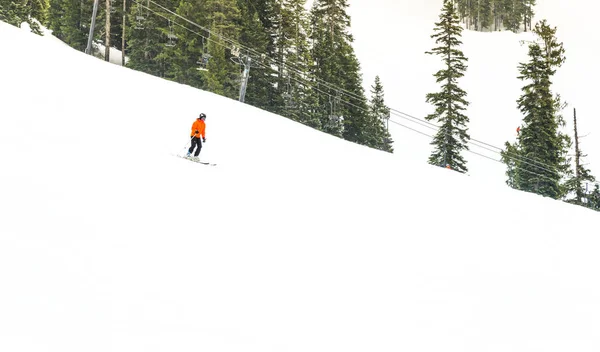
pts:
[196, 142]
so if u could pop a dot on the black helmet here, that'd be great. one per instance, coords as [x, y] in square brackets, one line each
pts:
[202, 116]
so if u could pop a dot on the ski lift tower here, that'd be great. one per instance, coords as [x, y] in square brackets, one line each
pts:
[88, 49]
[246, 61]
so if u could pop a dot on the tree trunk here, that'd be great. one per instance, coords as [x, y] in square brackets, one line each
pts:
[577, 161]
[123, 35]
[107, 40]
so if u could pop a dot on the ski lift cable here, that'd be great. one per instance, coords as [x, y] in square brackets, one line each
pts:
[516, 167]
[182, 26]
[220, 43]
[211, 33]
[396, 112]
[472, 142]
[471, 139]
[234, 46]
[248, 49]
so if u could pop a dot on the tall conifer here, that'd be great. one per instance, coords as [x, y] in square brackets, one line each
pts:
[540, 153]
[379, 136]
[344, 111]
[449, 102]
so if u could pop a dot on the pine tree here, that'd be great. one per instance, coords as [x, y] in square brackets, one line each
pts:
[509, 20]
[462, 8]
[223, 76]
[30, 11]
[472, 7]
[541, 148]
[528, 13]
[496, 14]
[594, 198]
[298, 100]
[379, 136]
[576, 184]
[38, 9]
[321, 70]
[115, 8]
[70, 21]
[450, 102]
[510, 156]
[261, 90]
[188, 59]
[146, 39]
[344, 105]
[485, 14]
[262, 87]
[13, 12]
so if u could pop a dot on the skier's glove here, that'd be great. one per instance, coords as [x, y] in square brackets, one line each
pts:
[196, 132]
[203, 140]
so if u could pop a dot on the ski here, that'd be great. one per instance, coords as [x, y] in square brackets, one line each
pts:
[197, 161]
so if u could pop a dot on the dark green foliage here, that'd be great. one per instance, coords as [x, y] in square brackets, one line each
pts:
[70, 21]
[576, 185]
[295, 99]
[511, 157]
[540, 154]
[594, 198]
[187, 59]
[17, 12]
[489, 15]
[485, 14]
[343, 111]
[379, 115]
[38, 9]
[260, 90]
[510, 15]
[145, 35]
[223, 75]
[528, 13]
[449, 102]
[13, 12]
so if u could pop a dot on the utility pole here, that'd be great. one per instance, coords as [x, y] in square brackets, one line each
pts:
[246, 62]
[88, 50]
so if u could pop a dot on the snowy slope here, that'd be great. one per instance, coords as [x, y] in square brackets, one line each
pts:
[297, 241]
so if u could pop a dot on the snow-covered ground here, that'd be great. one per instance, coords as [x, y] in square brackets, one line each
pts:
[296, 241]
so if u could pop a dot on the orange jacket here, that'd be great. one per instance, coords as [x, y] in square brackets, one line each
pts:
[199, 126]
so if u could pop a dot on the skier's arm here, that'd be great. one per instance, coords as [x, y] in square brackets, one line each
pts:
[195, 128]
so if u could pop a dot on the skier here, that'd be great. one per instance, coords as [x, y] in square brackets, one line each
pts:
[198, 130]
